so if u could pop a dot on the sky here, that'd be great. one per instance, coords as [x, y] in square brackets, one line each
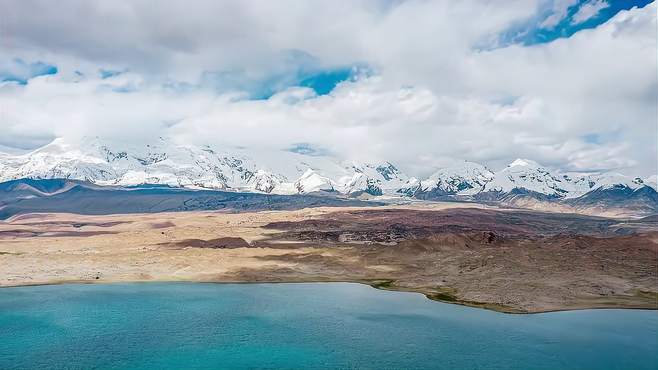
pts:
[571, 84]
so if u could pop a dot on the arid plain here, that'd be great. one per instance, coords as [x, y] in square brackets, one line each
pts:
[506, 260]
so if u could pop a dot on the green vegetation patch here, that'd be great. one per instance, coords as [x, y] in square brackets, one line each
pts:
[449, 295]
[382, 284]
[445, 297]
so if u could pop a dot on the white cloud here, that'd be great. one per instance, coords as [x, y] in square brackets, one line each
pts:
[589, 10]
[434, 98]
[560, 10]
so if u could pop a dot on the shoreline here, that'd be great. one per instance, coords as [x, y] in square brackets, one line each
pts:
[378, 284]
[506, 262]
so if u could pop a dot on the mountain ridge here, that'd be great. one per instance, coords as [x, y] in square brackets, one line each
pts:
[284, 173]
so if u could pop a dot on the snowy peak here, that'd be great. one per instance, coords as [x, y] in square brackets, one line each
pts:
[519, 162]
[615, 180]
[373, 179]
[359, 184]
[522, 176]
[166, 162]
[527, 175]
[388, 171]
[311, 182]
[463, 178]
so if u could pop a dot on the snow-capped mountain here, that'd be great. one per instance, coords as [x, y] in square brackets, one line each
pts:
[532, 177]
[611, 180]
[522, 183]
[652, 181]
[526, 184]
[521, 176]
[164, 162]
[465, 178]
[311, 182]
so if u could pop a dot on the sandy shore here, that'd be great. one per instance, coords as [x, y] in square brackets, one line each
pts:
[491, 268]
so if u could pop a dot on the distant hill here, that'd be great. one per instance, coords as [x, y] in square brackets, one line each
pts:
[72, 196]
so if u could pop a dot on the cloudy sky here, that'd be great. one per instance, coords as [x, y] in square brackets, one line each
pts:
[571, 84]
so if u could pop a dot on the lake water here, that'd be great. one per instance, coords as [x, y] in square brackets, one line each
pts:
[309, 326]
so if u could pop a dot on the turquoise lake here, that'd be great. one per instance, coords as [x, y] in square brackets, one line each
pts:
[302, 326]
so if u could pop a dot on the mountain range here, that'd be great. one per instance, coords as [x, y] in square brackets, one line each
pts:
[523, 183]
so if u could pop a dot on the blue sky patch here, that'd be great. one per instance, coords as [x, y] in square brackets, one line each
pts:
[536, 31]
[297, 68]
[107, 73]
[20, 71]
[592, 138]
[125, 89]
[307, 149]
[324, 82]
